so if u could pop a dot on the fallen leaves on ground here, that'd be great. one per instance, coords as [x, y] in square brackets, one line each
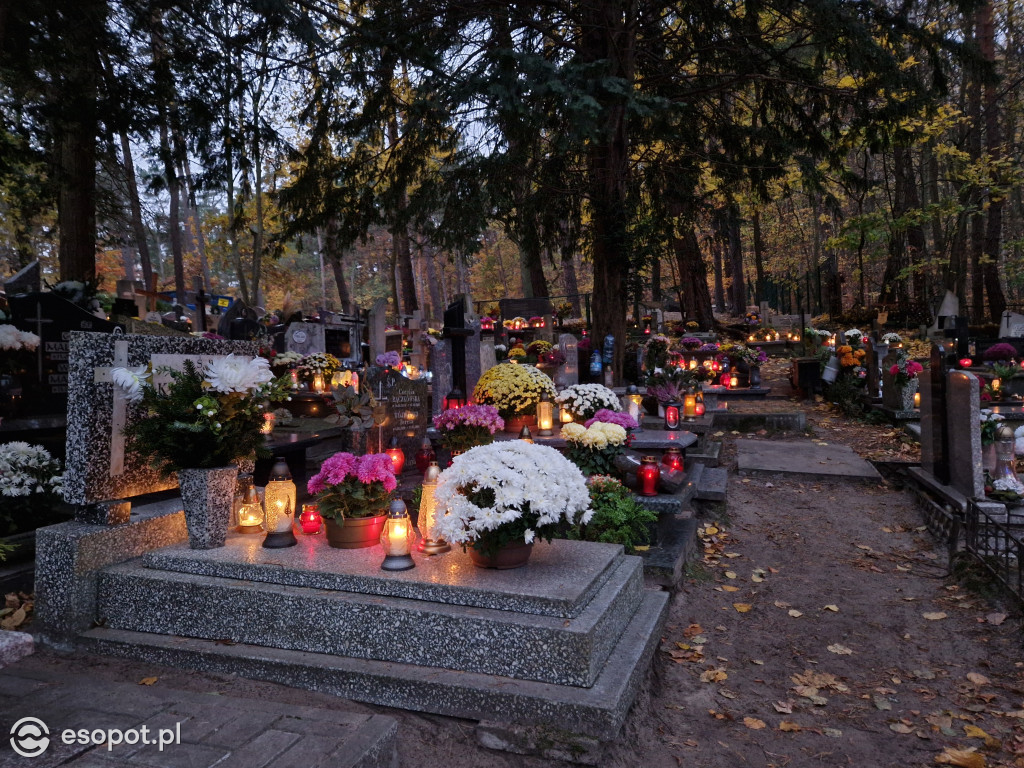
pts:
[148, 680]
[965, 758]
[16, 611]
[934, 615]
[715, 675]
[842, 650]
[753, 723]
[742, 607]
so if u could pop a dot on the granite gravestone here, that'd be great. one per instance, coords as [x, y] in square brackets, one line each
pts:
[568, 373]
[488, 357]
[98, 467]
[377, 329]
[934, 434]
[305, 338]
[1011, 326]
[473, 359]
[892, 394]
[876, 352]
[963, 418]
[53, 319]
[407, 408]
[27, 280]
[343, 338]
[441, 368]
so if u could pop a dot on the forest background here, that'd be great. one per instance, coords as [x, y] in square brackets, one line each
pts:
[824, 156]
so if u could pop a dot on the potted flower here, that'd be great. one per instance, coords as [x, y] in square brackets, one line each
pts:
[618, 517]
[904, 374]
[499, 498]
[691, 344]
[320, 365]
[15, 360]
[594, 449]
[389, 359]
[515, 391]
[892, 339]
[353, 493]
[200, 425]
[467, 427]
[990, 423]
[624, 420]
[584, 400]
[656, 352]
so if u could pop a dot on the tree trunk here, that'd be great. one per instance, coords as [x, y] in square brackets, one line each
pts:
[993, 143]
[760, 288]
[433, 283]
[716, 254]
[693, 276]
[75, 129]
[656, 278]
[334, 255]
[570, 282]
[173, 214]
[608, 39]
[138, 228]
[739, 288]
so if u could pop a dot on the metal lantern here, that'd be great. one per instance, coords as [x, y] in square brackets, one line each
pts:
[425, 455]
[545, 415]
[672, 415]
[428, 544]
[250, 514]
[397, 538]
[455, 399]
[525, 435]
[699, 409]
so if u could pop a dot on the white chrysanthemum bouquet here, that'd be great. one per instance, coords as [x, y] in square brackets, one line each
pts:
[584, 400]
[508, 493]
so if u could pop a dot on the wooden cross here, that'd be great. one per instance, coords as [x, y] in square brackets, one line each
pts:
[120, 406]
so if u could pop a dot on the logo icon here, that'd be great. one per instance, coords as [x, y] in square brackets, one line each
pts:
[30, 737]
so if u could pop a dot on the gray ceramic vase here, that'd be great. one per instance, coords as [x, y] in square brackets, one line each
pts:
[207, 495]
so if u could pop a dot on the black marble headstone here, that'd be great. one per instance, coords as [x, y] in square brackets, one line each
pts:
[407, 407]
[52, 318]
[939, 444]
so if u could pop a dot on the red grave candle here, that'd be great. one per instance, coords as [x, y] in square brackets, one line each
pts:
[310, 519]
[647, 476]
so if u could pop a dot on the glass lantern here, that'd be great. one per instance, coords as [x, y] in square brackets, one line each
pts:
[279, 498]
[310, 520]
[425, 455]
[672, 415]
[673, 458]
[397, 455]
[545, 415]
[429, 544]
[699, 408]
[647, 476]
[525, 435]
[397, 539]
[690, 407]
[250, 513]
[455, 399]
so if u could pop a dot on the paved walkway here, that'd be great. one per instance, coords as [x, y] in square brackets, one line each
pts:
[108, 725]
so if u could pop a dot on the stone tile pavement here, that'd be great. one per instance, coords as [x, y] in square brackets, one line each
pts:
[108, 722]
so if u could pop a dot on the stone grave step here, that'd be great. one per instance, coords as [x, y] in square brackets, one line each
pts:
[434, 633]
[677, 541]
[214, 730]
[713, 484]
[548, 587]
[597, 711]
[707, 454]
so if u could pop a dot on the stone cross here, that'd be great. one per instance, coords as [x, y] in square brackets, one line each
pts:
[120, 406]
[876, 352]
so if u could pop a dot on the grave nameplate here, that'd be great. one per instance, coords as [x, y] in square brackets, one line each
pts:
[407, 407]
[305, 338]
[98, 466]
[53, 319]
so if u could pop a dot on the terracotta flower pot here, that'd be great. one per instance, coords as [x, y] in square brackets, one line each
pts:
[509, 556]
[515, 424]
[207, 496]
[356, 533]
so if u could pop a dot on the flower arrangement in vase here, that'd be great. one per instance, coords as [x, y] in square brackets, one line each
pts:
[594, 449]
[905, 370]
[356, 489]
[201, 424]
[656, 351]
[469, 426]
[508, 494]
[514, 390]
[584, 400]
[691, 344]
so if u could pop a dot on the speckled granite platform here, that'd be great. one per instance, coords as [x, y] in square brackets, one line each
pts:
[560, 580]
